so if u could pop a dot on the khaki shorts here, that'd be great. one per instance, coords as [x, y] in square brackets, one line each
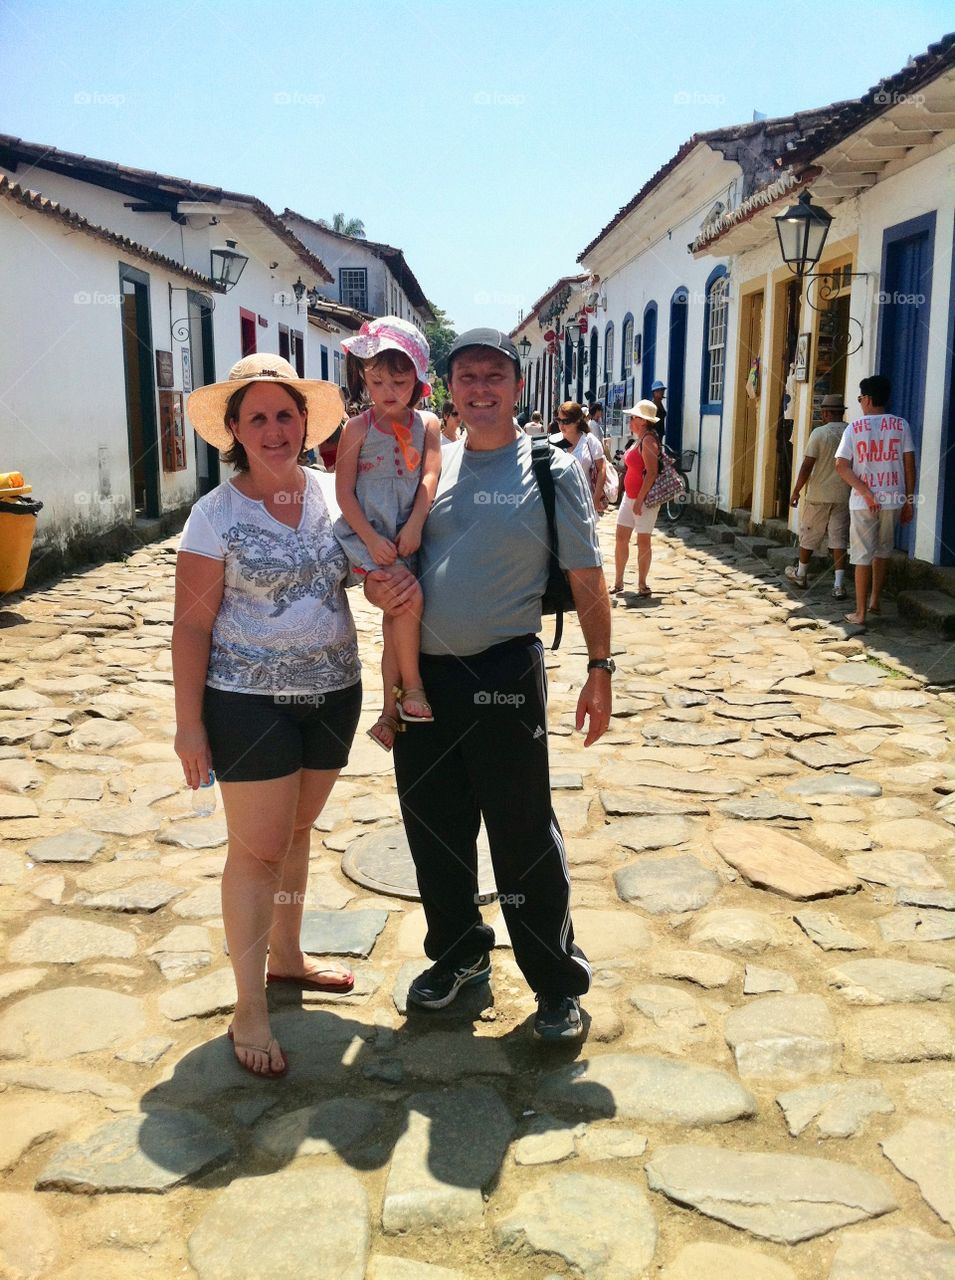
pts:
[627, 519]
[824, 524]
[872, 534]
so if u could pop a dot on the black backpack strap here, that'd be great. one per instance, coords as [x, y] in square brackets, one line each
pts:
[540, 460]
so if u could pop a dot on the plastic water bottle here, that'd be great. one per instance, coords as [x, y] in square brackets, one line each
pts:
[204, 798]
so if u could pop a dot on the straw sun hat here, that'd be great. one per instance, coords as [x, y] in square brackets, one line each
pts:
[206, 405]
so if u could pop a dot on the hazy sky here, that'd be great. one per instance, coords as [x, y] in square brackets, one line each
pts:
[491, 141]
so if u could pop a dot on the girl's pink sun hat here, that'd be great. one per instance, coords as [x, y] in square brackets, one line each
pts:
[390, 333]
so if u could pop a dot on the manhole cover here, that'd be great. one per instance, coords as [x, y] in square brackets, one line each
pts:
[381, 861]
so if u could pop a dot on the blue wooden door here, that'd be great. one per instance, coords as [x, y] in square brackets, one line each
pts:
[676, 365]
[903, 329]
[649, 349]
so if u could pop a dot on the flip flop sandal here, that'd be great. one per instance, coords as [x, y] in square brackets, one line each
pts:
[644, 592]
[860, 626]
[257, 1048]
[390, 725]
[343, 981]
[401, 695]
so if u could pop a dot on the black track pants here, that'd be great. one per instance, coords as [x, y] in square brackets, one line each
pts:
[485, 755]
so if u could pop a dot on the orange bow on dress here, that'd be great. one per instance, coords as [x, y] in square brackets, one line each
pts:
[403, 436]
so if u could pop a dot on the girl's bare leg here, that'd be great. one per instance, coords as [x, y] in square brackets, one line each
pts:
[405, 632]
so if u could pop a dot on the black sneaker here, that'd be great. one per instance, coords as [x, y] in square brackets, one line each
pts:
[558, 1018]
[439, 985]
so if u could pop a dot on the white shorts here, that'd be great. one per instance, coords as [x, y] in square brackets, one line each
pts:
[872, 534]
[627, 519]
[824, 523]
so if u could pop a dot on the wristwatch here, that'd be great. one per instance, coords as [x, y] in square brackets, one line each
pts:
[602, 664]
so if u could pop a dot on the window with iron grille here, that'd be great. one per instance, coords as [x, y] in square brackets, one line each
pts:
[626, 354]
[716, 340]
[353, 287]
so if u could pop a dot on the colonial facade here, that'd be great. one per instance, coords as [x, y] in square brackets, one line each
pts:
[114, 310]
[687, 285]
[366, 275]
[880, 299]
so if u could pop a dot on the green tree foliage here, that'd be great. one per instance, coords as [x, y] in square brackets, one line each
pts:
[439, 393]
[440, 334]
[346, 226]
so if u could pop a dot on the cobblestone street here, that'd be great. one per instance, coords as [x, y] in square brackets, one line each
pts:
[761, 849]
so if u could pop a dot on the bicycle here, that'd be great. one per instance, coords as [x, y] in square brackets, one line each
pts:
[683, 462]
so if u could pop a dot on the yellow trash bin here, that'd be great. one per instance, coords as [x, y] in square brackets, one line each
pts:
[18, 515]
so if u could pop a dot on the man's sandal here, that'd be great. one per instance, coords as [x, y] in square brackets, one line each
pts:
[383, 731]
[414, 695]
[258, 1048]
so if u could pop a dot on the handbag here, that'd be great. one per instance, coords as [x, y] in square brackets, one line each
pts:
[667, 485]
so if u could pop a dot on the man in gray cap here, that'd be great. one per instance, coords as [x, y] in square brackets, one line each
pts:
[825, 513]
[483, 566]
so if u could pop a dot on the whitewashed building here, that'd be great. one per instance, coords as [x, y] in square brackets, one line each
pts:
[365, 275]
[880, 300]
[112, 310]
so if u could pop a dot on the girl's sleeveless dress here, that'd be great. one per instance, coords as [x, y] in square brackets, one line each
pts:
[385, 487]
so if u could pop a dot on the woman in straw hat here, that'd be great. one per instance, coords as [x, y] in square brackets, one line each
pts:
[265, 662]
[641, 463]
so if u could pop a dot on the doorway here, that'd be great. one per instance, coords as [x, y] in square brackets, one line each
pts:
[902, 357]
[747, 400]
[247, 323]
[649, 350]
[202, 363]
[676, 365]
[138, 363]
[593, 362]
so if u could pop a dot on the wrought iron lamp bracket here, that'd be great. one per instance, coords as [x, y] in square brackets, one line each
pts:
[179, 330]
[821, 288]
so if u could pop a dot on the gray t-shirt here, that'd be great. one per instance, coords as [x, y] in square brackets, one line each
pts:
[485, 549]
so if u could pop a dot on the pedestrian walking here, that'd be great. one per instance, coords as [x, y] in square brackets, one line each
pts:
[266, 671]
[484, 557]
[877, 459]
[824, 518]
[586, 448]
[386, 473]
[641, 464]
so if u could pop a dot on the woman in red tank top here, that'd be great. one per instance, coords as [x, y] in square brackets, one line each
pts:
[641, 463]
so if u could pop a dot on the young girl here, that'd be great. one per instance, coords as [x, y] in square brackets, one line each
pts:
[386, 474]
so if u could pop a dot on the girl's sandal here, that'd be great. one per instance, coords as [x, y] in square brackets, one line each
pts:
[383, 731]
[417, 696]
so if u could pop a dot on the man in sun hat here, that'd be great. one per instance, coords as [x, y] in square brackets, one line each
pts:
[824, 518]
[484, 567]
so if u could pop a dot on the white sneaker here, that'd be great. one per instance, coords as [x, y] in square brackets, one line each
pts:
[797, 579]
[839, 593]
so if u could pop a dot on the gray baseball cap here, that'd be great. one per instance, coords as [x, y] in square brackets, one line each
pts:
[493, 339]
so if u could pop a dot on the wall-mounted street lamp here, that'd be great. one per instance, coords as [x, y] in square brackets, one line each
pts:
[524, 347]
[802, 232]
[227, 265]
[298, 288]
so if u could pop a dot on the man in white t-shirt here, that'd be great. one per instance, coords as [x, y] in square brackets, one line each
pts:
[877, 460]
[535, 426]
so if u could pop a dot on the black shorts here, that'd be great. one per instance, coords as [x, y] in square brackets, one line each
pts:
[254, 737]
